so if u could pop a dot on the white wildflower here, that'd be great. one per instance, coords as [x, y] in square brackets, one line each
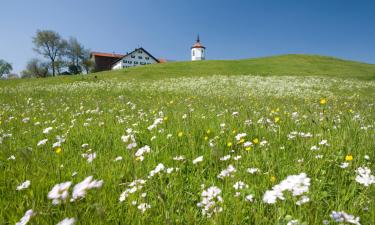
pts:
[344, 165]
[143, 207]
[227, 172]
[198, 159]
[252, 170]
[179, 158]
[364, 176]
[160, 167]
[249, 198]
[24, 185]
[89, 156]
[344, 217]
[80, 189]
[26, 218]
[296, 184]
[225, 158]
[42, 142]
[59, 192]
[210, 199]
[118, 158]
[67, 221]
[47, 130]
[240, 185]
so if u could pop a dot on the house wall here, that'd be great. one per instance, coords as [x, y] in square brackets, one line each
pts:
[198, 54]
[137, 58]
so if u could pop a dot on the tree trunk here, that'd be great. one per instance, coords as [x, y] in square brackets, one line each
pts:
[53, 67]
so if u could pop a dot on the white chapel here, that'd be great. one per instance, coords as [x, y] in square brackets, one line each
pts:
[198, 51]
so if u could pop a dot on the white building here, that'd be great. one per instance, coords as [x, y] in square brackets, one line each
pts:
[138, 57]
[198, 51]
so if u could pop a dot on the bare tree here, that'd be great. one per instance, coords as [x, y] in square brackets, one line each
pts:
[50, 45]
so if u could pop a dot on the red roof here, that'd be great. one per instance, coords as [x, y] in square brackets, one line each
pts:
[198, 45]
[162, 60]
[107, 54]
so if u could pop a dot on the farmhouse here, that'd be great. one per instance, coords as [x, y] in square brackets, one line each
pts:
[109, 61]
[138, 57]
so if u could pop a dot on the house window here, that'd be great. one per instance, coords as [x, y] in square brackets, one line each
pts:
[139, 57]
[140, 51]
[147, 58]
[135, 62]
[124, 61]
[142, 63]
[193, 53]
[133, 56]
[129, 62]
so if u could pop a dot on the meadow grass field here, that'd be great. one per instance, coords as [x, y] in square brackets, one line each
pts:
[279, 140]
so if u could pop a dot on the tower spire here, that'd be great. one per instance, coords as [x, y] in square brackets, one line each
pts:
[198, 40]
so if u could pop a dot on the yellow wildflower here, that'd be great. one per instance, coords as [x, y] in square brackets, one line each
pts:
[273, 179]
[248, 148]
[256, 141]
[229, 144]
[58, 150]
[323, 101]
[277, 119]
[348, 158]
[165, 118]
[180, 134]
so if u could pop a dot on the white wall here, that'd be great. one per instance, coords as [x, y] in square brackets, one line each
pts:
[198, 54]
[137, 58]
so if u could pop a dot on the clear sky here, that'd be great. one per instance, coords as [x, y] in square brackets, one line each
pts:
[230, 29]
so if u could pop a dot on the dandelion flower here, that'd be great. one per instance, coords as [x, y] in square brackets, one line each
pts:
[323, 101]
[348, 158]
[58, 150]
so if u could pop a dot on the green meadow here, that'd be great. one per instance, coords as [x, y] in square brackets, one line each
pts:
[278, 140]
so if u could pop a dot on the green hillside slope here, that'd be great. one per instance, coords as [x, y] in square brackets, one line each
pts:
[299, 65]
[283, 65]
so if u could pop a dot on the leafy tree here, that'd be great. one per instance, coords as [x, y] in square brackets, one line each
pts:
[35, 68]
[75, 52]
[51, 45]
[86, 61]
[5, 68]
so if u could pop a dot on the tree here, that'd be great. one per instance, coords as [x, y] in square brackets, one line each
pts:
[49, 44]
[75, 52]
[5, 67]
[86, 61]
[35, 68]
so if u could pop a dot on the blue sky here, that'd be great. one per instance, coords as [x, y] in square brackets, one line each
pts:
[230, 29]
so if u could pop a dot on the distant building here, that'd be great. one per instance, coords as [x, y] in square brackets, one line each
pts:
[111, 61]
[138, 57]
[198, 51]
[104, 61]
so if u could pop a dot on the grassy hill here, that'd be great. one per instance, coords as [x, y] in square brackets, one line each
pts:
[299, 65]
[282, 65]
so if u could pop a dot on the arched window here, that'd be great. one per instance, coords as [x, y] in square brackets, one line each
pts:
[193, 52]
